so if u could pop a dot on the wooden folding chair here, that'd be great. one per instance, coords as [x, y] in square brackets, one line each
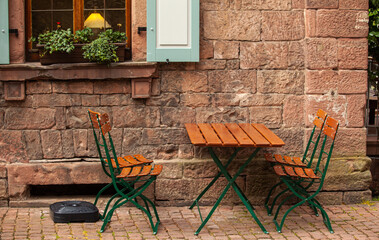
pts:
[305, 161]
[123, 171]
[295, 177]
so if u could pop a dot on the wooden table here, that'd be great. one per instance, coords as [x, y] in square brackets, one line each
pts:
[230, 135]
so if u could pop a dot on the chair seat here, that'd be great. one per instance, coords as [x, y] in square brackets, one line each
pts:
[293, 161]
[297, 172]
[140, 171]
[130, 161]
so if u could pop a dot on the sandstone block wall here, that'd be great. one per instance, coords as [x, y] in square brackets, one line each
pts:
[275, 62]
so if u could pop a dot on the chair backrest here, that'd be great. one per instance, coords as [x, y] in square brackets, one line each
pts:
[314, 138]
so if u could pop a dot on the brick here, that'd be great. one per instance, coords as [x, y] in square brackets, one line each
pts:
[352, 53]
[68, 143]
[354, 4]
[356, 106]
[341, 82]
[227, 99]
[164, 100]
[264, 55]
[180, 81]
[131, 138]
[33, 144]
[195, 99]
[270, 116]
[210, 64]
[90, 100]
[206, 49]
[226, 114]
[80, 137]
[322, 4]
[33, 87]
[293, 111]
[342, 23]
[232, 25]
[136, 116]
[60, 118]
[357, 197]
[260, 5]
[296, 55]
[28, 118]
[115, 100]
[298, 4]
[73, 87]
[322, 53]
[282, 25]
[51, 144]
[226, 49]
[233, 64]
[170, 116]
[12, 147]
[234, 81]
[112, 86]
[262, 100]
[158, 136]
[291, 82]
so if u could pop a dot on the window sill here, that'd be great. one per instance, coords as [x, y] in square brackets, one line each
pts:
[72, 71]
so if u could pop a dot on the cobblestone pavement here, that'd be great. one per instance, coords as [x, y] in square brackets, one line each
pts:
[349, 222]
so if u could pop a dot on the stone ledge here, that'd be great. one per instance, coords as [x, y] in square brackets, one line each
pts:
[34, 71]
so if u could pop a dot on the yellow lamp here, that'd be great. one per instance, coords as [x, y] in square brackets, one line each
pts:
[95, 20]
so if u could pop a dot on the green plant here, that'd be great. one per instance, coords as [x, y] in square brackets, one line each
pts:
[83, 36]
[373, 35]
[58, 40]
[100, 50]
[113, 36]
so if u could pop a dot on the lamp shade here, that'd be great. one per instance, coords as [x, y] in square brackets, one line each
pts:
[95, 20]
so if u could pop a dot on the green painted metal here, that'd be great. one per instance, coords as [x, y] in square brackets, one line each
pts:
[231, 183]
[4, 32]
[190, 54]
[125, 189]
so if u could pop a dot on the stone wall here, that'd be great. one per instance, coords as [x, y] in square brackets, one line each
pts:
[275, 62]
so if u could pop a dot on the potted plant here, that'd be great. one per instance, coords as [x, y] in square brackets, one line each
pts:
[62, 46]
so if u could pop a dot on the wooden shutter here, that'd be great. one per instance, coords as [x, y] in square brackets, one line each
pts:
[173, 30]
[4, 32]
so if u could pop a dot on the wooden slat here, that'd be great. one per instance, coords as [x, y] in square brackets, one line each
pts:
[279, 158]
[132, 160]
[239, 134]
[300, 172]
[269, 158]
[157, 170]
[223, 133]
[135, 171]
[268, 134]
[141, 158]
[195, 135]
[145, 170]
[124, 173]
[254, 135]
[279, 170]
[209, 134]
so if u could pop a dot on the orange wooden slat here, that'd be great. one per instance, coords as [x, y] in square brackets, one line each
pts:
[321, 114]
[254, 135]
[141, 158]
[318, 123]
[300, 171]
[124, 172]
[157, 170]
[209, 134]
[329, 132]
[239, 134]
[279, 159]
[310, 173]
[269, 158]
[224, 134]
[290, 171]
[288, 160]
[132, 160]
[135, 171]
[298, 161]
[195, 135]
[145, 170]
[268, 134]
[279, 170]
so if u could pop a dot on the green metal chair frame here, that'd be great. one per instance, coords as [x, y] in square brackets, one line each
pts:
[293, 177]
[306, 161]
[123, 179]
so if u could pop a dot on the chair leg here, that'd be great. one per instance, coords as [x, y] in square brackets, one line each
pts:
[325, 216]
[275, 199]
[268, 198]
[279, 227]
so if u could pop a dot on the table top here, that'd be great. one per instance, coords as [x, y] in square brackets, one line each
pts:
[232, 135]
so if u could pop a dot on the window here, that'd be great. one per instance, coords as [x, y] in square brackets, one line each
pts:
[45, 15]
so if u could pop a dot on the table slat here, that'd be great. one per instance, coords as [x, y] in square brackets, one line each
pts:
[269, 135]
[209, 134]
[254, 135]
[195, 135]
[239, 134]
[224, 134]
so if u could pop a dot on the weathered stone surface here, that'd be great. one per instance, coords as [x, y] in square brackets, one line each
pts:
[112, 86]
[294, 141]
[200, 169]
[262, 100]
[115, 99]
[214, 5]
[322, 4]
[293, 111]
[16, 21]
[3, 170]
[348, 174]
[130, 139]
[77, 117]
[270, 116]
[164, 100]
[164, 136]
[12, 148]
[282, 25]
[3, 189]
[357, 197]
[339, 23]
[80, 137]
[180, 81]
[28, 118]
[233, 64]
[211, 64]
[33, 87]
[51, 144]
[322, 53]
[310, 23]
[296, 55]
[177, 116]
[356, 105]
[1, 118]
[330, 198]
[136, 116]
[264, 55]
[206, 49]
[90, 100]
[195, 99]
[33, 144]
[353, 4]
[226, 49]
[260, 4]
[340, 82]
[232, 25]
[227, 99]
[167, 151]
[221, 114]
[280, 82]
[298, 4]
[68, 143]
[350, 142]
[172, 169]
[186, 151]
[73, 87]
[352, 53]
[234, 81]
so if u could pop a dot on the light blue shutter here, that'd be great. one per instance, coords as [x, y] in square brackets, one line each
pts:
[173, 30]
[4, 32]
